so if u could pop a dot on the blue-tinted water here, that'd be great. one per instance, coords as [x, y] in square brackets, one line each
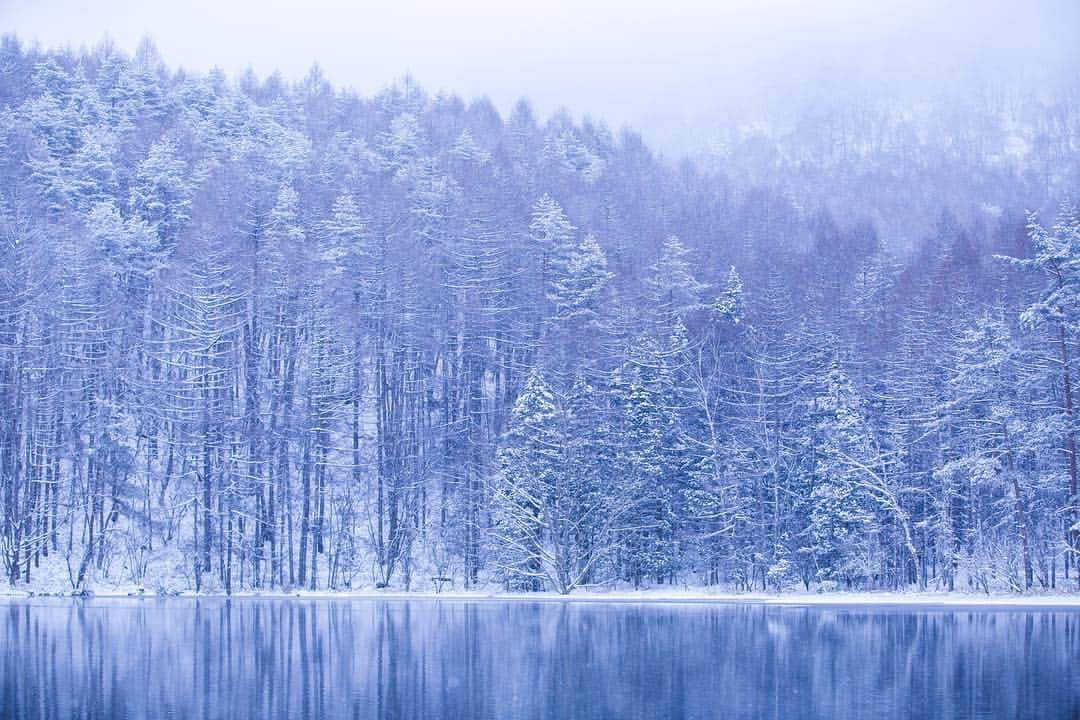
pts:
[454, 660]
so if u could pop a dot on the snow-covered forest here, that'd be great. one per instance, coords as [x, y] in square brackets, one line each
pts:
[257, 334]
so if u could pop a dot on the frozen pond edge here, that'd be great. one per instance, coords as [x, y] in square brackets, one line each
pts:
[958, 600]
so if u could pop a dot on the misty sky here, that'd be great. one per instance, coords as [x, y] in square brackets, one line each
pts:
[675, 70]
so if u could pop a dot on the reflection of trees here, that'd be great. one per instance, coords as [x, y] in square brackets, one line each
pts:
[436, 659]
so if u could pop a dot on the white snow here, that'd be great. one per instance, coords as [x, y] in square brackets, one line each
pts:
[653, 595]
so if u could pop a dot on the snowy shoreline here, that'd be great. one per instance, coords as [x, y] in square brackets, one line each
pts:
[853, 599]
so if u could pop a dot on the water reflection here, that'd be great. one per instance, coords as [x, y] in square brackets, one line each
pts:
[298, 658]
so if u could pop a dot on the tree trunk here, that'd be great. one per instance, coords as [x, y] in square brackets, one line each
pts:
[1071, 518]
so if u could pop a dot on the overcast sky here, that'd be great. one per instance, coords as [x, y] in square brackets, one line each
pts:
[672, 69]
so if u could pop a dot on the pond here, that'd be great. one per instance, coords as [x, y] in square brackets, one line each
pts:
[473, 660]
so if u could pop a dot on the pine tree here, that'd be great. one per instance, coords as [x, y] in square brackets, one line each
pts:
[1057, 259]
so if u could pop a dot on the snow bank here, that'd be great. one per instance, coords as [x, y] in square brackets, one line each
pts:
[653, 595]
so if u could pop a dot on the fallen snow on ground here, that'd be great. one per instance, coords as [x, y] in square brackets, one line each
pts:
[652, 595]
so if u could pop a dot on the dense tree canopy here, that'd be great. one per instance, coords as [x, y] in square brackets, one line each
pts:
[256, 334]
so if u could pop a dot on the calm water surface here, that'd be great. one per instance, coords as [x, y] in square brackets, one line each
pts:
[453, 660]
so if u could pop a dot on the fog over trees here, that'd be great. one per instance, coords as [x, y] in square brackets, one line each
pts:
[257, 334]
